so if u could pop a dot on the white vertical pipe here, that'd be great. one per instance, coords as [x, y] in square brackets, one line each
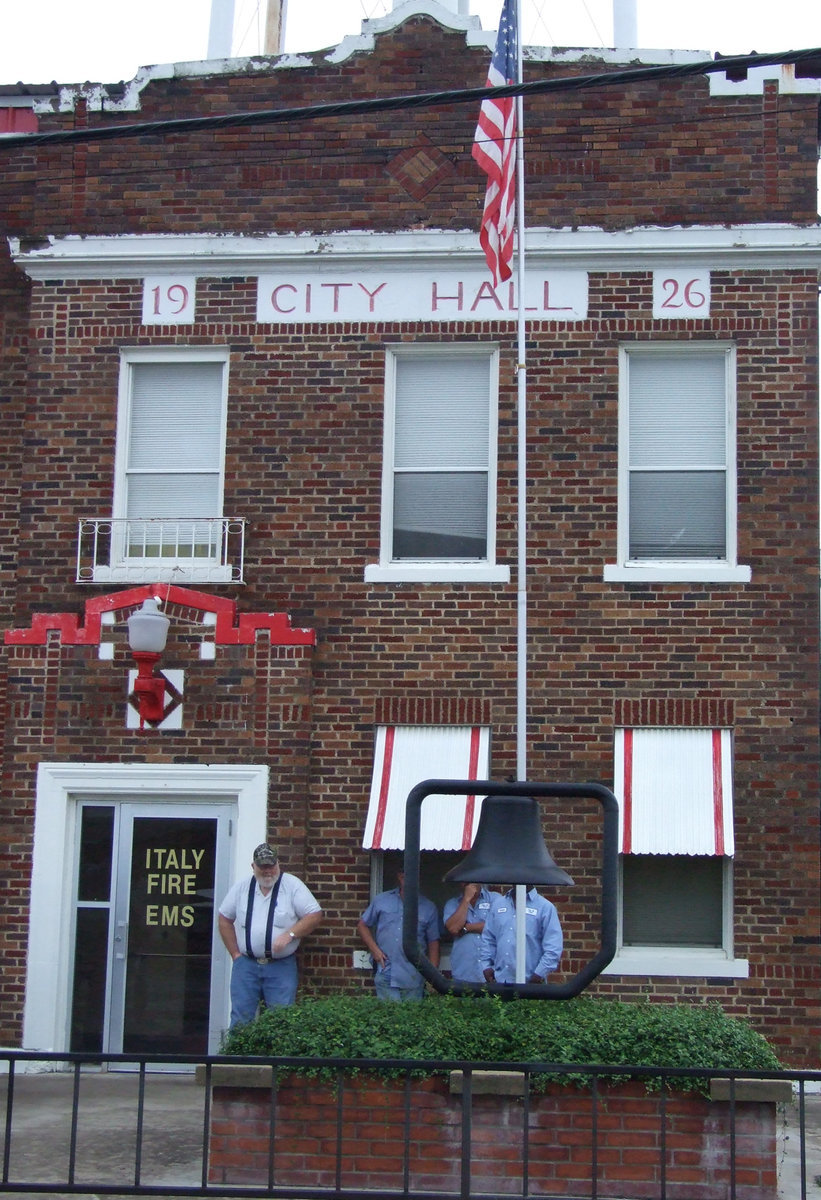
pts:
[521, 933]
[521, 379]
[625, 25]
[221, 29]
[521, 570]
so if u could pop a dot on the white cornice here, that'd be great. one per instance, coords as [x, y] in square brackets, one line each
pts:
[217, 255]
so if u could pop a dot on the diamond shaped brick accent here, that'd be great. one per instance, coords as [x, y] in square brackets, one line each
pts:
[420, 168]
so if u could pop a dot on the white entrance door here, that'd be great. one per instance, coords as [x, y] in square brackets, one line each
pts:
[147, 969]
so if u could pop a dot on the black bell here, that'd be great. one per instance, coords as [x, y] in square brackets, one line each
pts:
[509, 847]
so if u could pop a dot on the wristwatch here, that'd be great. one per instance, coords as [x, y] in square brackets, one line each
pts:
[291, 933]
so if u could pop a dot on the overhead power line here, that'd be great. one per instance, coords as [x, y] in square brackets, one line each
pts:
[60, 168]
[314, 112]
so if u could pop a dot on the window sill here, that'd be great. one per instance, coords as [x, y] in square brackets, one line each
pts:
[159, 572]
[653, 572]
[436, 573]
[677, 961]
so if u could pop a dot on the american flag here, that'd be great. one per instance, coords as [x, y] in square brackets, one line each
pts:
[494, 148]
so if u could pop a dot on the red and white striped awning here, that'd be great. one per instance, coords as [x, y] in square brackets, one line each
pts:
[675, 791]
[407, 754]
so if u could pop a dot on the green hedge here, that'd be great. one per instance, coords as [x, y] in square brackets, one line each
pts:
[584, 1030]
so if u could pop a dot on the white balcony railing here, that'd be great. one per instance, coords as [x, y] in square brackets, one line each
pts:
[176, 549]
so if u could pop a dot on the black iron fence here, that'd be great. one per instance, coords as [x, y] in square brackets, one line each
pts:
[115, 1125]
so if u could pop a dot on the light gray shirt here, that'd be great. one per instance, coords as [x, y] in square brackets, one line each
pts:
[293, 901]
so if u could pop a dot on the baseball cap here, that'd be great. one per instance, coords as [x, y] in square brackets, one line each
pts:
[265, 855]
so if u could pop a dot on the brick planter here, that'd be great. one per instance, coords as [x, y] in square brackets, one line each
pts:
[308, 1135]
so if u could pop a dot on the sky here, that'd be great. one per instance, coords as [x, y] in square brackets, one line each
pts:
[104, 41]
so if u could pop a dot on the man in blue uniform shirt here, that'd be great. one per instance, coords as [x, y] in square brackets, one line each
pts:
[464, 919]
[380, 928]
[543, 938]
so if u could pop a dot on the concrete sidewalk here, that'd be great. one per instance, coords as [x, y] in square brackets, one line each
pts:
[173, 1134]
[789, 1162]
[172, 1144]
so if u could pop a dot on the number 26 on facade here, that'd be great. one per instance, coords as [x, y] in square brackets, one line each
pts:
[680, 295]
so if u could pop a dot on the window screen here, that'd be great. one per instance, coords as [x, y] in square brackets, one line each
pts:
[175, 440]
[173, 459]
[441, 457]
[678, 455]
[672, 900]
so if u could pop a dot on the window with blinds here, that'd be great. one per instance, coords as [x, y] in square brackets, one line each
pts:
[678, 453]
[171, 452]
[439, 496]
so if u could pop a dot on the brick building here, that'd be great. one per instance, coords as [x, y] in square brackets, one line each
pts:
[260, 372]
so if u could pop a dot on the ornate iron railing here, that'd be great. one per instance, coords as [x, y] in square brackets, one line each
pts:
[177, 550]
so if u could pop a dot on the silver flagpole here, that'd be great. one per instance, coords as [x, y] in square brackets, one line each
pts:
[521, 570]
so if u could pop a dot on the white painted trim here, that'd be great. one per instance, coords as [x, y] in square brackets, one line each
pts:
[682, 963]
[59, 785]
[161, 570]
[124, 256]
[195, 354]
[113, 98]
[675, 573]
[445, 572]
[753, 84]
[365, 42]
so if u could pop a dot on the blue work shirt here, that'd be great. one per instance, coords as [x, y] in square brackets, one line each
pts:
[543, 937]
[383, 916]
[464, 954]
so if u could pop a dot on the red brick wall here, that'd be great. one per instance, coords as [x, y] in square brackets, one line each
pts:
[303, 466]
[593, 645]
[658, 152]
[360, 1130]
[601, 653]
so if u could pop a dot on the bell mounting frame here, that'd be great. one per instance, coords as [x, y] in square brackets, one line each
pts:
[609, 883]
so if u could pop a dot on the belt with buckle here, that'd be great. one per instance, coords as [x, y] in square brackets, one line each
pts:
[262, 961]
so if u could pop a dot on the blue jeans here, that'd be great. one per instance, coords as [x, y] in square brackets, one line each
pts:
[274, 982]
[384, 991]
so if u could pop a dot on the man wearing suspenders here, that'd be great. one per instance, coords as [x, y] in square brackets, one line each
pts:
[261, 922]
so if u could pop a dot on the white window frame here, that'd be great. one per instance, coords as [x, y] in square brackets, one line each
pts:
[695, 961]
[627, 570]
[130, 360]
[388, 570]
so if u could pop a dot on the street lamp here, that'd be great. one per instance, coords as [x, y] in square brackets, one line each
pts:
[147, 634]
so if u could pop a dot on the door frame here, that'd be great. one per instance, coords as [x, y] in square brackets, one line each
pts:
[131, 811]
[59, 787]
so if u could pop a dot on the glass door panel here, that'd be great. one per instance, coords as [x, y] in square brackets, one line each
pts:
[92, 928]
[170, 930]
